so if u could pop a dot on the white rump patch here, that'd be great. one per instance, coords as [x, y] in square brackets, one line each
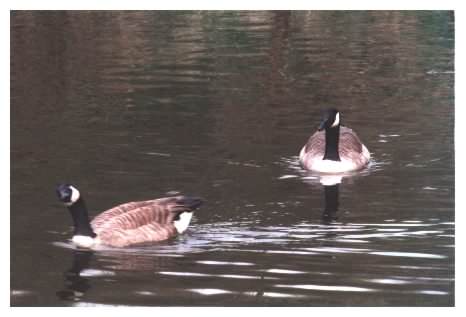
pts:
[329, 166]
[337, 120]
[182, 224]
[365, 152]
[316, 163]
[84, 241]
[302, 154]
[74, 196]
[330, 180]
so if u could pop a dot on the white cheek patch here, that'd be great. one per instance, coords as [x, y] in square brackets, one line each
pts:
[74, 196]
[337, 120]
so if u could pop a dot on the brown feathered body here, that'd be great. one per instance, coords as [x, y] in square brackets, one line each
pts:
[141, 222]
[353, 154]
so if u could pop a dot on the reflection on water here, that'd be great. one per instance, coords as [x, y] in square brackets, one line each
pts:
[212, 253]
[134, 105]
[331, 203]
[76, 283]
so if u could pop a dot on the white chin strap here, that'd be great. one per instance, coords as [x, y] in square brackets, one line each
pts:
[74, 196]
[337, 120]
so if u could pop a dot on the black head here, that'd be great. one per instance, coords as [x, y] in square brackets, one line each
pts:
[331, 119]
[68, 194]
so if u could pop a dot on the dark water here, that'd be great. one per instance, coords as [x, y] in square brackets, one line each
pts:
[134, 105]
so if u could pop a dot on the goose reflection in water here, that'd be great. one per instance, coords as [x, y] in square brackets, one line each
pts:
[79, 278]
[75, 284]
[331, 204]
[331, 195]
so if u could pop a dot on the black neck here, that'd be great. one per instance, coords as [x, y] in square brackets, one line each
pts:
[80, 217]
[332, 137]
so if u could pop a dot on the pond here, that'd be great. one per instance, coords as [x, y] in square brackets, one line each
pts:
[137, 105]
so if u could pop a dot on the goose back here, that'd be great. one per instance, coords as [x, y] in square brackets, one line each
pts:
[139, 222]
[352, 152]
[107, 215]
[151, 232]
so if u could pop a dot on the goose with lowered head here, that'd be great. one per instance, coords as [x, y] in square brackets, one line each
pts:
[130, 223]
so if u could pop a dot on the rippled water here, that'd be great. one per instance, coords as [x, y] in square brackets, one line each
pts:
[136, 105]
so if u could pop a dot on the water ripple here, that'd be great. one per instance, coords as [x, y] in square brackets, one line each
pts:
[225, 263]
[295, 170]
[328, 288]
[282, 295]
[282, 271]
[240, 235]
[389, 281]
[95, 273]
[209, 291]
[410, 254]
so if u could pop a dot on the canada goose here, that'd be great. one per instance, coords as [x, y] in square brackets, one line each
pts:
[129, 223]
[335, 150]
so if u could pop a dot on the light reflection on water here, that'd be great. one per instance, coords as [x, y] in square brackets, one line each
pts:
[136, 105]
[336, 239]
[310, 177]
[244, 238]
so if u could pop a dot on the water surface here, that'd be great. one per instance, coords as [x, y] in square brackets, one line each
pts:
[135, 105]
